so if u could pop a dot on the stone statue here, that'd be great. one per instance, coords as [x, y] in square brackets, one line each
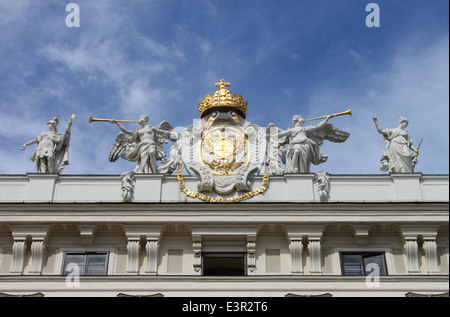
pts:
[304, 143]
[52, 152]
[142, 145]
[397, 156]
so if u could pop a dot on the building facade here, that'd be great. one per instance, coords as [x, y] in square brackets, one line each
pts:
[228, 228]
[371, 235]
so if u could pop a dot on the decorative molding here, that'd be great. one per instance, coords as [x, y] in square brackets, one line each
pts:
[133, 248]
[384, 228]
[128, 181]
[251, 254]
[39, 235]
[173, 228]
[271, 229]
[296, 248]
[110, 228]
[342, 229]
[37, 256]
[22, 295]
[142, 233]
[60, 227]
[313, 234]
[152, 248]
[151, 295]
[412, 294]
[87, 234]
[410, 236]
[361, 234]
[412, 256]
[431, 254]
[18, 249]
[197, 249]
[315, 252]
[322, 185]
[319, 295]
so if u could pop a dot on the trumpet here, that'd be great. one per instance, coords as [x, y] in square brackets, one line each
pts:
[107, 120]
[349, 112]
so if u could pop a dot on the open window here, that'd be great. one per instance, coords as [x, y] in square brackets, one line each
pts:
[363, 263]
[224, 264]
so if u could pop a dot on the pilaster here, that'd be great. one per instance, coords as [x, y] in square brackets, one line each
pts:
[315, 252]
[313, 234]
[133, 248]
[410, 237]
[431, 254]
[37, 256]
[19, 247]
[38, 235]
[296, 248]
[150, 235]
[430, 250]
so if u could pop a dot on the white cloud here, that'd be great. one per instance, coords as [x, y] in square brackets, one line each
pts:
[415, 85]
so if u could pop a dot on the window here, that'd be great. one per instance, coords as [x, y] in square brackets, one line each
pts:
[224, 264]
[86, 263]
[363, 263]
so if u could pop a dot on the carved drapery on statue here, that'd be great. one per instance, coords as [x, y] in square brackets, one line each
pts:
[142, 145]
[397, 156]
[51, 154]
[303, 144]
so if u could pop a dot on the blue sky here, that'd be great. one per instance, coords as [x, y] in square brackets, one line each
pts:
[284, 57]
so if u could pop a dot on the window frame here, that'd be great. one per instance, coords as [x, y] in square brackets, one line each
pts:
[362, 255]
[110, 254]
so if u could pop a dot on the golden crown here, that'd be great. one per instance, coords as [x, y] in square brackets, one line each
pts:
[222, 100]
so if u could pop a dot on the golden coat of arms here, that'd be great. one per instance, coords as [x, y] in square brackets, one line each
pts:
[223, 150]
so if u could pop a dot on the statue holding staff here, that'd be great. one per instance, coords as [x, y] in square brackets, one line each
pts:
[397, 156]
[142, 145]
[52, 151]
[304, 142]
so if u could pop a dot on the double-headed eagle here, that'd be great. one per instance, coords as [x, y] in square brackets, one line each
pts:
[220, 147]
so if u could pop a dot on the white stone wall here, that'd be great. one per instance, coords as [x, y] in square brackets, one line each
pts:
[290, 236]
[179, 246]
[161, 188]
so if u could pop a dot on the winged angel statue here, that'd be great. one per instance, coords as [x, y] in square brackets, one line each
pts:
[143, 145]
[303, 144]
